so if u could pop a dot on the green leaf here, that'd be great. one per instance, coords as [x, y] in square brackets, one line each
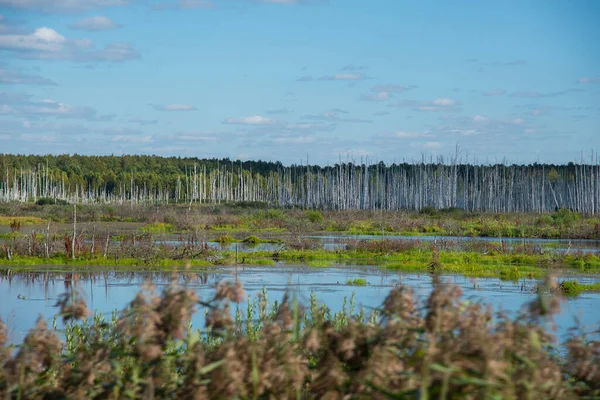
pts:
[211, 367]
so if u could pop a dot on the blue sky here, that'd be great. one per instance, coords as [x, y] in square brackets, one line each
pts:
[390, 80]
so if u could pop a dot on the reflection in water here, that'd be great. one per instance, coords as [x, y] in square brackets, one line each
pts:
[25, 295]
[340, 241]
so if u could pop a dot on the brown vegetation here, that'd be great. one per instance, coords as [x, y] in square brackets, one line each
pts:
[448, 349]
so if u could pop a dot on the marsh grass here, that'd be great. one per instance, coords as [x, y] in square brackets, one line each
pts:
[154, 251]
[574, 288]
[357, 282]
[158, 227]
[24, 220]
[442, 348]
[229, 218]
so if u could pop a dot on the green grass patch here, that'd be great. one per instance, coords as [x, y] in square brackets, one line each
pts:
[357, 282]
[510, 274]
[158, 227]
[574, 288]
[252, 240]
[22, 220]
[224, 239]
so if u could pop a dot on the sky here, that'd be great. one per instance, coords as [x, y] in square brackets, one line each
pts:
[297, 80]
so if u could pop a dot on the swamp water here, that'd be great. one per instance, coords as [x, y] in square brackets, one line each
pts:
[25, 295]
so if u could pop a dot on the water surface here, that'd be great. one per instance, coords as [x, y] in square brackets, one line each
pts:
[26, 295]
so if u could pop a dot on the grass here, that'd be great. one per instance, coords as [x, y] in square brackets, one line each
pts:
[509, 266]
[158, 227]
[230, 219]
[574, 288]
[24, 220]
[252, 239]
[356, 282]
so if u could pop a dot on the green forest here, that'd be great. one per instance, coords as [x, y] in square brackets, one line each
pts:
[443, 183]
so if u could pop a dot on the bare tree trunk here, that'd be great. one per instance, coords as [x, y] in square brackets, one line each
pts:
[107, 243]
[74, 230]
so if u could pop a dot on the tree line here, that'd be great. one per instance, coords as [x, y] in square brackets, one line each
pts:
[443, 183]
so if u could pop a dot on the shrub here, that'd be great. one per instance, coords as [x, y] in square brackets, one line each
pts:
[252, 240]
[565, 216]
[225, 238]
[428, 210]
[570, 288]
[44, 201]
[314, 216]
[274, 214]
[511, 274]
[357, 282]
[158, 227]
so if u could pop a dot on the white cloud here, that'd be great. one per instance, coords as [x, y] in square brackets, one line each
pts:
[517, 121]
[334, 115]
[529, 131]
[278, 111]
[440, 104]
[288, 2]
[342, 77]
[5, 109]
[21, 105]
[42, 39]
[10, 77]
[8, 25]
[592, 79]
[174, 107]
[251, 120]
[537, 94]
[381, 96]
[465, 132]
[184, 4]
[392, 88]
[444, 102]
[316, 127]
[479, 118]
[352, 67]
[97, 23]
[47, 44]
[538, 111]
[60, 6]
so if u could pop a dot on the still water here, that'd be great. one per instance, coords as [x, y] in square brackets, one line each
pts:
[24, 296]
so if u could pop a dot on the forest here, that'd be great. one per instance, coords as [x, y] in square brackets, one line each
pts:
[440, 183]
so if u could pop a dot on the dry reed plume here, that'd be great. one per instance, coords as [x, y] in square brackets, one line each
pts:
[447, 348]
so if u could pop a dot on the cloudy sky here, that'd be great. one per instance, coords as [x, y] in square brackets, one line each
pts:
[391, 80]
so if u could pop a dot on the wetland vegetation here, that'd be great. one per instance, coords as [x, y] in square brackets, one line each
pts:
[168, 237]
[223, 217]
[445, 347]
